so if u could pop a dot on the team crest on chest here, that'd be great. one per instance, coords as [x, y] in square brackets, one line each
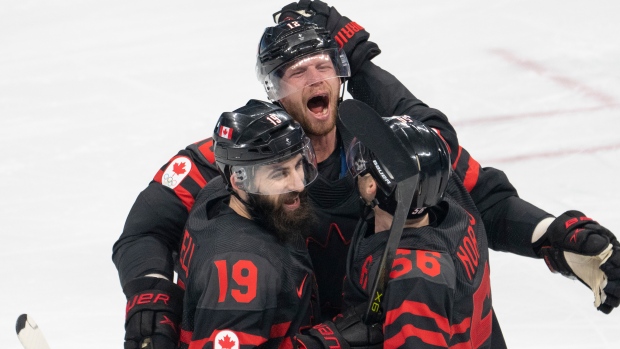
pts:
[226, 340]
[175, 172]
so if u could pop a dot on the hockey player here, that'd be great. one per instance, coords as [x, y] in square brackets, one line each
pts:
[301, 68]
[248, 275]
[291, 67]
[439, 292]
[153, 231]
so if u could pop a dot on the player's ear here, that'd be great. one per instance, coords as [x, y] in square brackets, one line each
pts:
[233, 182]
[367, 187]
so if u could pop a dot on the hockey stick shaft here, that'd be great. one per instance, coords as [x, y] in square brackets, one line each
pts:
[368, 127]
[404, 195]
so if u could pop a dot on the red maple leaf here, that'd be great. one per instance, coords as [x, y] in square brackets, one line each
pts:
[179, 168]
[226, 343]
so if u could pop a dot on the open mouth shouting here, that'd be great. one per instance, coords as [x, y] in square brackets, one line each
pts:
[318, 104]
[291, 201]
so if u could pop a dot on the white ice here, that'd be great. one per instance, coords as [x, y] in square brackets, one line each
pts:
[95, 96]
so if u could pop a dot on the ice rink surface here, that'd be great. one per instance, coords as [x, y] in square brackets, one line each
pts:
[95, 96]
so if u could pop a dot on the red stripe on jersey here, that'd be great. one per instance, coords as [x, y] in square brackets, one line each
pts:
[428, 337]
[461, 328]
[159, 174]
[458, 157]
[186, 197]
[206, 151]
[186, 336]
[471, 176]
[418, 309]
[244, 339]
[279, 330]
[250, 339]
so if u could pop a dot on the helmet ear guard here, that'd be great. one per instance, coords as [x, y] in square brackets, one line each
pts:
[240, 177]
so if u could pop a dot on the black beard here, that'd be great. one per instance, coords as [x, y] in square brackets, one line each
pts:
[286, 225]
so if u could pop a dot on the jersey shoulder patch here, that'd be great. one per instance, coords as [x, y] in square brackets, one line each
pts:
[177, 170]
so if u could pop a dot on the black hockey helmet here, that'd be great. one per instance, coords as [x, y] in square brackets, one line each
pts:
[257, 136]
[423, 145]
[288, 42]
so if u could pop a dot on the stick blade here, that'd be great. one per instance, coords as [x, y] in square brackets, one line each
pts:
[29, 333]
[368, 126]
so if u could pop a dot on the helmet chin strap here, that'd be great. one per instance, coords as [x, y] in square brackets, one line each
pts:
[234, 193]
[343, 88]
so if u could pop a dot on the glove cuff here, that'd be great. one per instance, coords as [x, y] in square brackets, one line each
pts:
[363, 52]
[555, 260]
[323, 335]
[155, 294]
[557, 230]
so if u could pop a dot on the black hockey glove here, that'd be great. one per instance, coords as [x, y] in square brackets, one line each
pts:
[153, 313]
[350, 36]
[348, 330]
[578, 247]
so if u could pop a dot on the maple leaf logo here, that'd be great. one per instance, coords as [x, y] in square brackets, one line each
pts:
[179, 168]
[226, 343]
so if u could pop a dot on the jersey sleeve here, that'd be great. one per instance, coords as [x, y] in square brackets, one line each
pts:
[234, 298]
[509, 220]
[154, 226]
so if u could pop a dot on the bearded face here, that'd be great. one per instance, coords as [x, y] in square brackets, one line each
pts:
[275, 214]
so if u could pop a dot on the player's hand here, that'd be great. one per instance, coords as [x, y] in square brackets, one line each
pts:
[349, 35]
[153, 313]
[353, 329]
[348, 329]
[317, 11]
[578, 247]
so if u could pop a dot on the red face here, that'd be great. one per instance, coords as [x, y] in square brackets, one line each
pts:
[314, 87]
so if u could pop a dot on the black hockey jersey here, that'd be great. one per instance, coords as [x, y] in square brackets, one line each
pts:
[154, 227]
[244, 287]
[337, 206]
[439, 292]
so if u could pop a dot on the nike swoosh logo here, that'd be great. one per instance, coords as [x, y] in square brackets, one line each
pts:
[300, 289]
